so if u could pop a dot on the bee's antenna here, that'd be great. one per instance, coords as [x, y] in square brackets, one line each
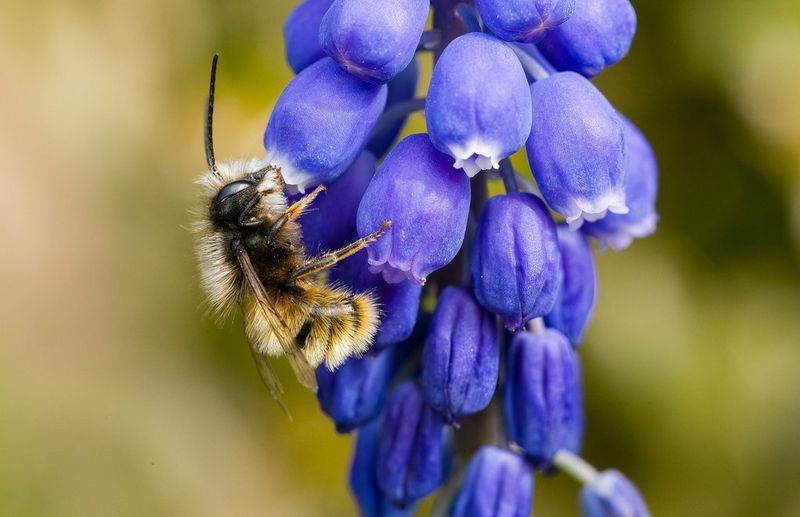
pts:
[212, 164]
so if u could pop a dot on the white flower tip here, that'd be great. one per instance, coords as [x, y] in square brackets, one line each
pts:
[626, 233]
[393, 274]
[618, 209]
[476, 156]
[297, 180]
[591, 211]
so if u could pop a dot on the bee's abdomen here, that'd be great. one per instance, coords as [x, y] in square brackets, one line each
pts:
[341, 324]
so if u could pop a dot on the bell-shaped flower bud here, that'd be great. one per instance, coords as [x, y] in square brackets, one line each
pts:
[301, 34]
[576, 149]
[427, 202]
[364, 476]
[617, 231]
[401, 89]
[399, 302]
[598, 34]
[524, 20]
[373, 40]
[498, 483]
[411, 454]
[461, 356]
[320, 123]
[331, 221]
[543, 396]
[612, 495]
[477, 121]
[356, 391]
[516, 267]
[578, 289]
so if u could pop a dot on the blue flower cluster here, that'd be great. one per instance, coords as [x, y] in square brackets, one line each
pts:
[512, 276]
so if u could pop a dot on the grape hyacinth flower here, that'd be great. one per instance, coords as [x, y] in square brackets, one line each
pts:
[516, 264]
[411, 453]
[543, 396]
[427, 201]
[524, 20]
[612, 495]
[576, 149]
[301, 34]
[461, 356]
[476, 121]
[498, 483]
[598, 34]
[355, 392]
[364, 476]
[506, 74]
[320, 124]
[373, 40]
[617, 231]
[578, 289]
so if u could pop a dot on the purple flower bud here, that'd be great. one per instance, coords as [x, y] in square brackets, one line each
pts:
[411, 454]
[612, 495]
[364, 476]
[427, 202]
[461, 356]
[577, 293]
[373, 40]
[516, 265]
[399, 302]
[478, 121]
[576, 149]
[320, 124]
[331, 221]
[301, 33]
[598, 34]
[524, 20]
[498, 483]
[543, 396]
[356, 391]
[401, 89]
[641, 187]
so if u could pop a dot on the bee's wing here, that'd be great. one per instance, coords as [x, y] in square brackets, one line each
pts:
[303, 370]
[269, 377]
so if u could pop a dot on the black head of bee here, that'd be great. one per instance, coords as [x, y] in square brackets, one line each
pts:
[237, 198]
[233, 200]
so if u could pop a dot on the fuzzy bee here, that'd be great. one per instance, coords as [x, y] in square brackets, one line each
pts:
[252, 257]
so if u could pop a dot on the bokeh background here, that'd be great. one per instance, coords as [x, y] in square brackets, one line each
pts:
[118, 397]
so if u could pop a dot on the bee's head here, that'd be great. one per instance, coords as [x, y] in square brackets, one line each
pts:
[245, 182]
[236, 198]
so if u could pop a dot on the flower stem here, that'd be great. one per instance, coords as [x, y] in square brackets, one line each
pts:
[469, 16]
[398, 112]
[429, 40]
[575, 466]
[448, 22]
[533, 51]
[509, 178]
[527, 185]
[532, 61]
[535, 326]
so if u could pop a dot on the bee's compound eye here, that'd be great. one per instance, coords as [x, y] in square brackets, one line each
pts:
[231, 189]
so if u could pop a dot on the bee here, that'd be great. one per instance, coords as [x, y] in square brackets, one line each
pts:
[251, 257]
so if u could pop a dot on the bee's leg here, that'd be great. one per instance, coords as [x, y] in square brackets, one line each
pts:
[330, 258]
[294, 211]
[244, 219]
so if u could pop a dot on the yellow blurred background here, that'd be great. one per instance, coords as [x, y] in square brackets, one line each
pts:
[118, 397]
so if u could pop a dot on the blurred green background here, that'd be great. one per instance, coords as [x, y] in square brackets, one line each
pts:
[118, 397]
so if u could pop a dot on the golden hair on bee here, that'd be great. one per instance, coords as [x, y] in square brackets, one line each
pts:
[251, 257]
